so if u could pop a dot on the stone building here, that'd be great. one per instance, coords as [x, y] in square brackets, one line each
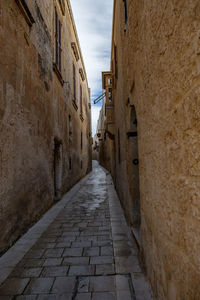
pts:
[98, 139]
[152, 147]
[45, 123]
[103, 147]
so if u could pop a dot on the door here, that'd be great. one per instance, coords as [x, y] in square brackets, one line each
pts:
[57, 168]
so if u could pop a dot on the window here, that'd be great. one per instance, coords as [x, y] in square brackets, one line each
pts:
[74, 83]
[109, 81]
[70, 163]
[75, 50]
[119, 148]
[58, 49]
[70, 126]
[81, 101]
[81, 140]
[125, 14]
[110, 95]
[115, 59]
[82, 74]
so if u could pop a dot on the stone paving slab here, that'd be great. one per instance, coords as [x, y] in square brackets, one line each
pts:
[105, 287]
[13, 256]
[81, 249]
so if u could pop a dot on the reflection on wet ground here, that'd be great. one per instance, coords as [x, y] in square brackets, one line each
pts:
[85, 253]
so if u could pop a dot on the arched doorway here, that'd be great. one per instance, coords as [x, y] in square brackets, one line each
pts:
[133, 173]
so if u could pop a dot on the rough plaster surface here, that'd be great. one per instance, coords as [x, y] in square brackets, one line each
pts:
[158, 60]
[34, 110]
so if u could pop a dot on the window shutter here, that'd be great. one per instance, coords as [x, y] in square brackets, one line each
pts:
[74, 82]
[115, 58]
[58, 38]
[81, 100]
[60, 49]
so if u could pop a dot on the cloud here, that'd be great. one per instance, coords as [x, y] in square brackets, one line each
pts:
[93, 20]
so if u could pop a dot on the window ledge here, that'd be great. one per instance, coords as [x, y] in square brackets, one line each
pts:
[74, 104]
[81, 74]
[75, 50]
[25, 11]
[59, 75]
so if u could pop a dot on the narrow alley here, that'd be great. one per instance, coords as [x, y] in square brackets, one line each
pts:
[81, 249]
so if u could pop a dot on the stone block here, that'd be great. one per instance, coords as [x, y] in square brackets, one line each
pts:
[13, 286]
[98, 260]
[60, 271]
[63, 285]
[39, 286]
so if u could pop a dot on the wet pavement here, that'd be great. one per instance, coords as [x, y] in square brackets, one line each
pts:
[81, 249]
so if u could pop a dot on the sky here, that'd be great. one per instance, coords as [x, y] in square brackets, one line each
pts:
[93, 20]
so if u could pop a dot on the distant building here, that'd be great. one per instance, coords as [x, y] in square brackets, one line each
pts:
[150, 137]
[45, 111]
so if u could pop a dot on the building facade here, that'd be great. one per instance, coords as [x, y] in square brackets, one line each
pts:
[45, 111]
[152, 146]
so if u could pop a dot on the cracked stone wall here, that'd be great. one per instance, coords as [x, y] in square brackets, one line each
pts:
[34, 113]
[158, 64]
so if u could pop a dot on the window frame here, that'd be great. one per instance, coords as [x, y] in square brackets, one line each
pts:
[119, 147]
[81, 140]
[81, 101]
[115, 61]
[125, 15]
[110, 95]
[58, 42]
[74, 84]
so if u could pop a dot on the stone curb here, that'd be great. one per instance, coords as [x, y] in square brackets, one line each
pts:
[127, 264]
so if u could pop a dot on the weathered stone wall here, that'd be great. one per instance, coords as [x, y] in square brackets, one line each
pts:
[34, 116]
[158, 60]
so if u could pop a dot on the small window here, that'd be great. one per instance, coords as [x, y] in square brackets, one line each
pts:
[125, 14]
[58, 49]
[70, 163]
[115, 60]
[81, 101]
[119, 148]
[81, 140]
[70, 126]
[110, 95]
[109, 81]
[75, 50]
[74, 83]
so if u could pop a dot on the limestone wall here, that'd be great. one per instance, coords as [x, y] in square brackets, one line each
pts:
[40, 149]
[158, 61]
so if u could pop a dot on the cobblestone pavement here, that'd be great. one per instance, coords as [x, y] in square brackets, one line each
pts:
[86, 251]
